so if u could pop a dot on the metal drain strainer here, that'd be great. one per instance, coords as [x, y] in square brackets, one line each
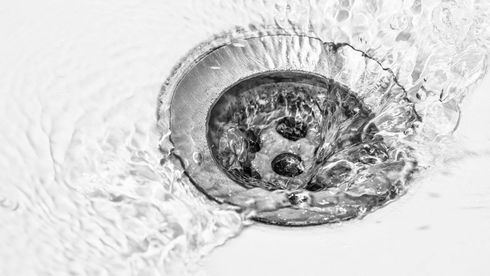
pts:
[300, 131]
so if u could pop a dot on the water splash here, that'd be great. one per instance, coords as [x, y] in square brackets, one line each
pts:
[413, 40]
[303, 134]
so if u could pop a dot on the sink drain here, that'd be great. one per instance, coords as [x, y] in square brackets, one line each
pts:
[300, 131]
[265, 131]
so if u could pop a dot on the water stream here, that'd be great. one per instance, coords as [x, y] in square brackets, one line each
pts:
[85, 186]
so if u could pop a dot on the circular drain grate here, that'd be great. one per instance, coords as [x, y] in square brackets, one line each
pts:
[293, 128]
[265, 130]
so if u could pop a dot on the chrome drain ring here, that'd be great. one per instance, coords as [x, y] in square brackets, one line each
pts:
[199, 84]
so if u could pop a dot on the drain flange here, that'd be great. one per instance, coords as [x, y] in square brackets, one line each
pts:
[293, 133]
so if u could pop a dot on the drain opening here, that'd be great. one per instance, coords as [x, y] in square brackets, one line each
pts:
[270, 130]
[287, 164]
[317, 136]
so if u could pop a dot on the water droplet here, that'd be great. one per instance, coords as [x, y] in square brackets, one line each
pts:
[197, 157]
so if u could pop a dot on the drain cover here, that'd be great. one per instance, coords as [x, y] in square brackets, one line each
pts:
[291, 127]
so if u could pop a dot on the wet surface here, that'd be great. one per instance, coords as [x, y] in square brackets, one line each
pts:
[85, 188]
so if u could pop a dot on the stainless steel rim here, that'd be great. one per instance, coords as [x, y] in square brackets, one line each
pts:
[201, 82]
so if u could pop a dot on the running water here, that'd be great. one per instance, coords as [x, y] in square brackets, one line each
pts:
[84, 188]
[310, 138]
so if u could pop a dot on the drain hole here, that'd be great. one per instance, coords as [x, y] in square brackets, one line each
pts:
[297, 147]
[291, 129]
[287, 164]
[271, 130]
[314, 186]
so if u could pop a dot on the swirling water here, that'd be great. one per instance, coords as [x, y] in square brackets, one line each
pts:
[314, 141]
[83, 189]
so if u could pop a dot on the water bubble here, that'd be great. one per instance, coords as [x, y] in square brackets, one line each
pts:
[197, 156]
[342, 15]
